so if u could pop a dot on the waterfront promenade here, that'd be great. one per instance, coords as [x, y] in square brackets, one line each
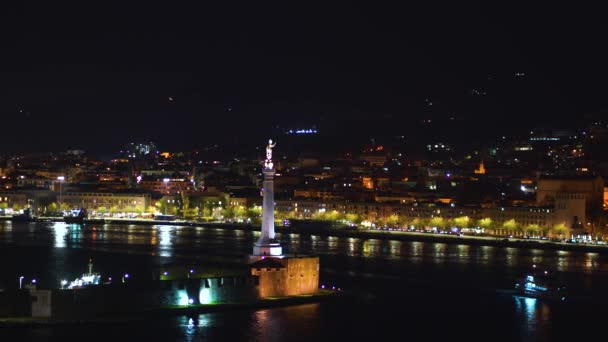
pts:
[363, 233]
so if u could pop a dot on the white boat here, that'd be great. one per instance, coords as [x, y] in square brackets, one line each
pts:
[542, 284]
[86, 279]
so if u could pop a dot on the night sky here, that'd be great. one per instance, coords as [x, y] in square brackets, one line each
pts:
[98, 76]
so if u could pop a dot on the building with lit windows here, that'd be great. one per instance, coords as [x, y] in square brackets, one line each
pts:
[543, 217]
[10, 199]
[578, 200]
[168, 186]
[95, 200]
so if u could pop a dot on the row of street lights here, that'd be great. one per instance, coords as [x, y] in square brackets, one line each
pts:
[64, 282]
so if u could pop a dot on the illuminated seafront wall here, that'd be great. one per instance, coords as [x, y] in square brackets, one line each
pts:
[106, 300]
[289, 276]
[297, 276]
[209, 290]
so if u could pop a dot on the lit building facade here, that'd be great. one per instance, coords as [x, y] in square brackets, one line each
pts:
[169, 186]
[525, 216]
[578, 200]
[280, 277]
[94, 200]
[12, 199]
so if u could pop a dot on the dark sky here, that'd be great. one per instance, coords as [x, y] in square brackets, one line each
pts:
[98, 76]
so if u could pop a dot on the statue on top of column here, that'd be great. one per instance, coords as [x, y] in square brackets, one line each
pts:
[268, 162]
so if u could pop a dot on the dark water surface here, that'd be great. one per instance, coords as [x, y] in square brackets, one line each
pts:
[406, 290]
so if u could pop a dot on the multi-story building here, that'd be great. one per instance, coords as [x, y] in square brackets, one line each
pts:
[168, 186]
[10, 199]
[95, 200]
[36, 182]
[578, 200]
[542, 217]
[374, 158]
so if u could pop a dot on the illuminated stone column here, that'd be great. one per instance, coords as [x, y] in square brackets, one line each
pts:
[266, 244]
[268, 207]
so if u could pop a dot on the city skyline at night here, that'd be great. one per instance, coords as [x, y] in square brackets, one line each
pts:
[263, 171]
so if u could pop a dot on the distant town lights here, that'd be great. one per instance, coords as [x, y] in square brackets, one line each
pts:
[302, 131]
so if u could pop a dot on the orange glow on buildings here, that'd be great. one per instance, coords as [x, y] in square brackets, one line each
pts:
[280, 277]
[481, 170]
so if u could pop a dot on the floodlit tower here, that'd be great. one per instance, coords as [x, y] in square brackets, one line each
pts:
[266, 244]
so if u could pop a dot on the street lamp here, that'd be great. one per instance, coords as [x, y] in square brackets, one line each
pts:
[60, 179]
[166, 181]
[21, 281]
[63, 283]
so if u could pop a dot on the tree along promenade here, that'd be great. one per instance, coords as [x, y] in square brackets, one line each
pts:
[327, 230]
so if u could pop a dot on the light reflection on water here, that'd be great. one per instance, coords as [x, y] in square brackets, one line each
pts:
[526, 308]
[165, 245]
[6, 231]
[61, 233]
[349, 256]
[370, 247]
[439, 252]
[534, 315]
[591, 261]
[562, 260]
[173, 241]
[352, 245]
[511, 256]
[395, 248]
[384, 262]
[281, 324]
[537, 256]
[463, 253]
[332, 243]
[416, 249]
[486, 254]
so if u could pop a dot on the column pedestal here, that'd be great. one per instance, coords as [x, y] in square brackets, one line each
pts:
[267, 249]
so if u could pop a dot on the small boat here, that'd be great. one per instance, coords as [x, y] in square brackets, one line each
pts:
[542, 284]
[76, 216]
[86, 279]
[26, 216]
